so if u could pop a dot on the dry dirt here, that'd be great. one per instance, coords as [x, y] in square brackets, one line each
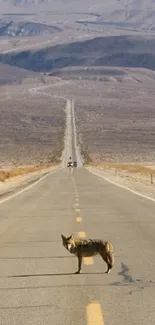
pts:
[31, 125]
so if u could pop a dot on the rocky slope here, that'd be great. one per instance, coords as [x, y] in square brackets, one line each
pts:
[22, 29]
[124, 51]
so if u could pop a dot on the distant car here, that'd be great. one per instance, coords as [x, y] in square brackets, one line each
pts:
[75, 163]
[70, 164]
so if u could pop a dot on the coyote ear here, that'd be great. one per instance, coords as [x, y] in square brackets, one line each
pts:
[62, 236]
[71, 237]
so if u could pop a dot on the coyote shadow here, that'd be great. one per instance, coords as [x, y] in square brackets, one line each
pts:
[52, 274]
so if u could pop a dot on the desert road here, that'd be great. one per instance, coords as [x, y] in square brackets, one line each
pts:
[37, 281]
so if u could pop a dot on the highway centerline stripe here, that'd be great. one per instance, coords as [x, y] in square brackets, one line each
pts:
[82, 234]
[77, 210]
[78, 219]
[87, 260]
[94, 314]
[76, 204]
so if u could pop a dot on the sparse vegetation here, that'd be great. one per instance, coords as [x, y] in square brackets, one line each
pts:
[130, 168]
[4, 175]
[85, 154]
[31, 128]
[117, 121]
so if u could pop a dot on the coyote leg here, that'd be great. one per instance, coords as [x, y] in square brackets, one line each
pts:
[79, 265]
[105, 259]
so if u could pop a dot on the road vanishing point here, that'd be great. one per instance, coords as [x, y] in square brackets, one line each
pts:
[37, 281]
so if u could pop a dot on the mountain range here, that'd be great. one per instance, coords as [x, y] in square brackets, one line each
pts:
[127, 51]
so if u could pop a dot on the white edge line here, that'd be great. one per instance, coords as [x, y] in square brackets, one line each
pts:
[28, 187]
[122, 186]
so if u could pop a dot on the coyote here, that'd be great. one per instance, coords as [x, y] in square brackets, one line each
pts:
[89, 247]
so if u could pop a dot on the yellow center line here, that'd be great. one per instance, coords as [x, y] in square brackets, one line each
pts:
[78, 219]
[87, 260]
[76, 199]
[94, 314]
[82, 234]
[76, 204]
[77, 210]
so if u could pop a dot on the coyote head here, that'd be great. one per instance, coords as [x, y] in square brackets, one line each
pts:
[68, 242]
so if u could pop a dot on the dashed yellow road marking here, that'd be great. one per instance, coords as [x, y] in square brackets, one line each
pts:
[82, 234]
[94, 314]
[77, 210]
[88, 260]
[78, 219]
[76, 204]
[76, 199]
